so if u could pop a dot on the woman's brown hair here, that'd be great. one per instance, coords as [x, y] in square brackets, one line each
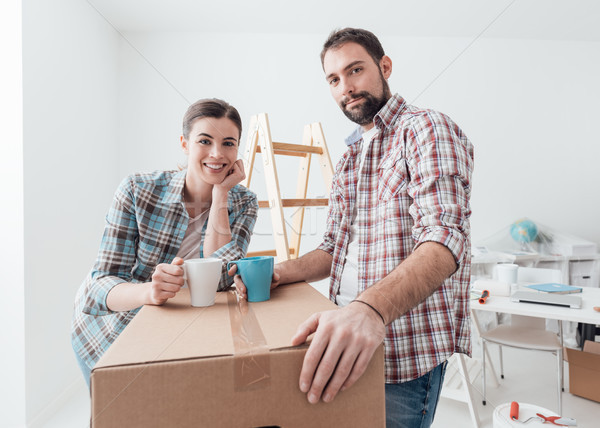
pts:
[210, 107]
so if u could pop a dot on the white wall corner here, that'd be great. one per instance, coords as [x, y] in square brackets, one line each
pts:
[12, 306]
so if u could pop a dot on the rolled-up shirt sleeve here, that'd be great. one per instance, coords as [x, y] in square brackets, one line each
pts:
[117, 254]
[242, 219]
[440, 162]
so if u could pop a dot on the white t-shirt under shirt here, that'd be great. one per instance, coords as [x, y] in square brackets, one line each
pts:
[190, 246]
[349, 281]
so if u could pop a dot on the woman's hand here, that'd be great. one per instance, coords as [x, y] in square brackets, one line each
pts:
[167, 280]
[218, 229]
[241, 287]
[235, 176]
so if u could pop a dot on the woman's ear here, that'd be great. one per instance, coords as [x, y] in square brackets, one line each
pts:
[184, 145]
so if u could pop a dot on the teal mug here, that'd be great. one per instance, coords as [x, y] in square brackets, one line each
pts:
[256, 273]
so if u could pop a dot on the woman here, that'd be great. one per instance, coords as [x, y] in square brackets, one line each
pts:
[157, 220]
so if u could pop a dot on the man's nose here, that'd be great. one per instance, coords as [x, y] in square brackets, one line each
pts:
[347, 86]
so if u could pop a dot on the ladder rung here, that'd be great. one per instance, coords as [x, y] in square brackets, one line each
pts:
[305, 202]
[293, 149]
[265, 253]
[319, 202]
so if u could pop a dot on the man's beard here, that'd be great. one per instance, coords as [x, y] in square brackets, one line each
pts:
[363, 114]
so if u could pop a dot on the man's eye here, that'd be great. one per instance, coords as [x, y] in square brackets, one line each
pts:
[333, 81]
[356, 70]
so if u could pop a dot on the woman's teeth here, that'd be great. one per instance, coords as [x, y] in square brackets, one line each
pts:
[214, 166]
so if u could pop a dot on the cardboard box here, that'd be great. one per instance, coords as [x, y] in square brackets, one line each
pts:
[228, 365]
[584, 371]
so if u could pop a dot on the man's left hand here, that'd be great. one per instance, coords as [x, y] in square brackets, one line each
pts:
[340, 351]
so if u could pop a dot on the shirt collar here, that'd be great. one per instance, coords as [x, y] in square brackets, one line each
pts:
[175, 189]
[382, 119]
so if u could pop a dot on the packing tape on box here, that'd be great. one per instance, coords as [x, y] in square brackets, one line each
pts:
[251, 360]
[496, 288]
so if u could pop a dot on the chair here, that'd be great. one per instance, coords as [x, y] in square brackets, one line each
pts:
[528, 332]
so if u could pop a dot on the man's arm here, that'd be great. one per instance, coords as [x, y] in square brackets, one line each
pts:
[414, 280]
[312, 266]
[347, 338]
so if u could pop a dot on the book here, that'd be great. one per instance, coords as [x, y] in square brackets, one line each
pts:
[555, 288]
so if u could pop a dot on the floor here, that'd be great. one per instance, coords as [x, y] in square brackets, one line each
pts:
[529, 378]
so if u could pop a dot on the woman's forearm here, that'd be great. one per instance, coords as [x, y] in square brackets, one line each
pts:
[218, 230]
[127, 296]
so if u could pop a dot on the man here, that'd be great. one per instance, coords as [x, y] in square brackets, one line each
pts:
[397, 244]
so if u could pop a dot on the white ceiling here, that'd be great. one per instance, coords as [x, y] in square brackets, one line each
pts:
[567, 20]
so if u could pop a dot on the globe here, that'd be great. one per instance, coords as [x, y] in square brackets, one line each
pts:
[523, 231]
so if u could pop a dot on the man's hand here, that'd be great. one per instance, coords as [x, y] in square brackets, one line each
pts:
[167, 280]
[241, 287]
[340, 351]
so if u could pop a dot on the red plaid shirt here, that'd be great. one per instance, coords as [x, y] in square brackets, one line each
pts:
[415, 187]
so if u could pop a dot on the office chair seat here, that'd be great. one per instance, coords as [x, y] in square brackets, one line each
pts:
[507, 335]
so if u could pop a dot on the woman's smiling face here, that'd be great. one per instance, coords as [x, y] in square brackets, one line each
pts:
[212, 148]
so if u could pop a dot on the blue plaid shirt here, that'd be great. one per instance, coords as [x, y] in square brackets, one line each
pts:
[144, 227]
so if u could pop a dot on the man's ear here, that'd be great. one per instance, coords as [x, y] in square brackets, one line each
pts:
[385, 65]
[184, 145]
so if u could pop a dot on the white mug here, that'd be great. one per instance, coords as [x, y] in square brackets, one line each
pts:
[202, 277]
[507, 273]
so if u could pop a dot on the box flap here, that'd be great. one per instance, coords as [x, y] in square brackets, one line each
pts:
[178, 331]
[591, 347]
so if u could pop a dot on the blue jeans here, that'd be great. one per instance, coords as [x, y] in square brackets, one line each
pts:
[85, 370]
[412, 404]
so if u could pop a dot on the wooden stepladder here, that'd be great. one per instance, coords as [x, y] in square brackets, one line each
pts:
[313, 143]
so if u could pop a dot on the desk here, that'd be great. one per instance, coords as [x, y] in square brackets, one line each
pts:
[590, 297]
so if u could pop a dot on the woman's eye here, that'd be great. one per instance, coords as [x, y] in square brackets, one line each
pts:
[229, 143]
[204, 141]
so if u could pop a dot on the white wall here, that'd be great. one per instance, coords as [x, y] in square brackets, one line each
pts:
[12, 304]
[530, 109]
[71, 163]
[528, 106]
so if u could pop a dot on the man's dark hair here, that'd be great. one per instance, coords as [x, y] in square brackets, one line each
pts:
[365, 38]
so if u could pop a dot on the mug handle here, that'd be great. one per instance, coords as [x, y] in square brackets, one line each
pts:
[229, 266]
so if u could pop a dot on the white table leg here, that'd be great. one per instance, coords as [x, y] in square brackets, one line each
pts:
[490, 364]
[467, 389]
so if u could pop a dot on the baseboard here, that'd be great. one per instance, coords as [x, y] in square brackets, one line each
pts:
[39, 420]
